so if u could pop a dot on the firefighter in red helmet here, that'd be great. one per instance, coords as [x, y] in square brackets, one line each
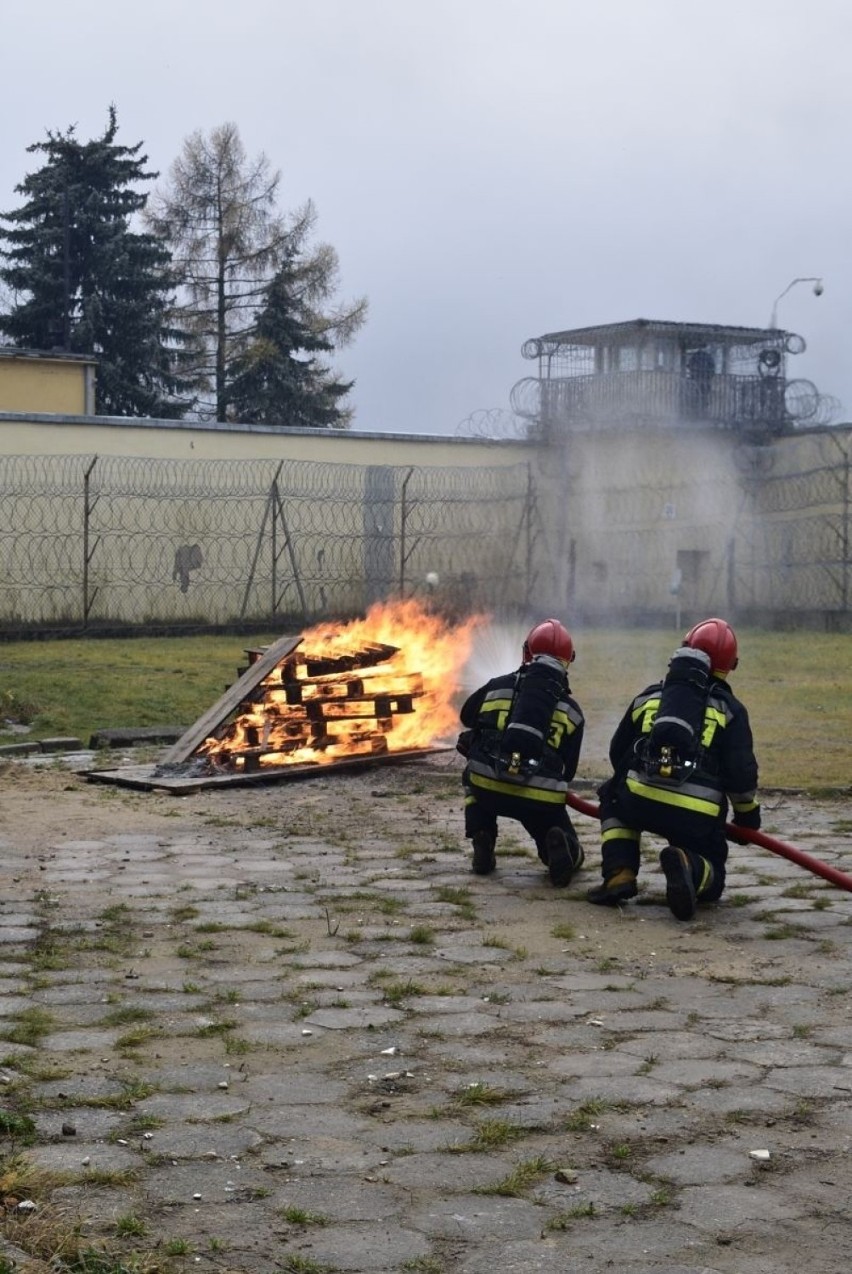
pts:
[682, 751]
[522, 739]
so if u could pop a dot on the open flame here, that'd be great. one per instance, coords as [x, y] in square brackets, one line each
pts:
[384, 683]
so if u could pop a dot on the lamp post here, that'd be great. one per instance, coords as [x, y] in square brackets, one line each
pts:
[818, 291]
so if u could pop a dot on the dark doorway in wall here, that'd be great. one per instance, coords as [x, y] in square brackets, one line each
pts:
[693, 572]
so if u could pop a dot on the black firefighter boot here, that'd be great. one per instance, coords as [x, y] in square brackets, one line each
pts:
[562, 857]
[682, 889]
[617, 887]
[484, 858]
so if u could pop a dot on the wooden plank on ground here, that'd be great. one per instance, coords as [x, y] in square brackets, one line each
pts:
[149, 777]
[231, 699]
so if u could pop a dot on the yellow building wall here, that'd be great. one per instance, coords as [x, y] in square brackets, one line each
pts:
[102, 521]
[184, 440]
[39, 383]
[607, 523]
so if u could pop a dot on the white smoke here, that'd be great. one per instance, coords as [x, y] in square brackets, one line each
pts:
[497, 649]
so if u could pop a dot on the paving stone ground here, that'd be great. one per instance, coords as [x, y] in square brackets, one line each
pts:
[291, 1031]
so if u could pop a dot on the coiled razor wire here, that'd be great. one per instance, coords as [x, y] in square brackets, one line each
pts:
[128, 540]
[87, 540]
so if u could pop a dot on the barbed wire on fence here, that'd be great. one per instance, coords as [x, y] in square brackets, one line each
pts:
[87, 539]
[111, 540]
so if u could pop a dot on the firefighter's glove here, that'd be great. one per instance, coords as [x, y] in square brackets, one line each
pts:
[608, 797]
[749, 819]
[464, 741]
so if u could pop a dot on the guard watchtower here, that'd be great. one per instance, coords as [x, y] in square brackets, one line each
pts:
[646, 372]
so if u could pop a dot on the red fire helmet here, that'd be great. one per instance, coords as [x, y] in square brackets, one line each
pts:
[717, 639]
[549, 638]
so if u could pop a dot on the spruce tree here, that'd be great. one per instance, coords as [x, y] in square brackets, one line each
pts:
[82, 281]
[280, 377]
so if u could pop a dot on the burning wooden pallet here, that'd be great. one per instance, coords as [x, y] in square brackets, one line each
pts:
[295, 710]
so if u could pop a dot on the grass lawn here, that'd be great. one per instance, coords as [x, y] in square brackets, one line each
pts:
[797, 687]
[78, 686]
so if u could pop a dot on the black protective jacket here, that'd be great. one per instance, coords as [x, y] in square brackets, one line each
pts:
[727, 769]
[488, 716]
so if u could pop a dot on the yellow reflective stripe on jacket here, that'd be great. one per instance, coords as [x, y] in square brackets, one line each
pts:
[500, 701]
[717, 714]
[497, 700]
[680, 798]
[564, 720]
[482, 770]
[573, 715]
[715, 717]
[619, 832]
[706, 877]
[743, 804]
[646, 707]
[524, 791]
[497, 705]
[495, 709]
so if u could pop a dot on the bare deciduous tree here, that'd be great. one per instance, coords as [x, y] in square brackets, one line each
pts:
[228, 239]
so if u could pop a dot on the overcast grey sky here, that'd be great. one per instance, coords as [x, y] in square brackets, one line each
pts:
[490, 170]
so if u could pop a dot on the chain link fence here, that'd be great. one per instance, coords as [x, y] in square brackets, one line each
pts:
[89, 542]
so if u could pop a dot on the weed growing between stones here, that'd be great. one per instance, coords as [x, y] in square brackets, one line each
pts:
[490, 1134]
[291, 1263]
[394, 992]
[480, 1094]
[302, 1217]
[420, 1265]
[422, 935]
[17, 1127]
[457, 897]
[28, 1027]
[564, 932]
[781, 932]
[581, 1119]
[517, 1183]
[130, 1226]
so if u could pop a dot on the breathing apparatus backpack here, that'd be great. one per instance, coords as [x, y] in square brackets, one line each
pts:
[540, 686]
[672, 748]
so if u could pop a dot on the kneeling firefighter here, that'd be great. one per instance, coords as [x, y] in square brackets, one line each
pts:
[682, 751]
[522, 744]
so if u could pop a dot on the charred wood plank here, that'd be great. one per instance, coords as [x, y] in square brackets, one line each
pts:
[319, 664]
[231, 699]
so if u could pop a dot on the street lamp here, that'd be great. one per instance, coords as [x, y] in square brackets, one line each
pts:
[818, 291]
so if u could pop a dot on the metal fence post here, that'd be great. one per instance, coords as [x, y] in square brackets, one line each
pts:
[844, 534]
[278, 512]
[403, 524]
[88, 552]
[529, 511]
[845, 501]
[267, 508]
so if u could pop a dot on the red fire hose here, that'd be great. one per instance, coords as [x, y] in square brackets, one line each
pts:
[832, 874]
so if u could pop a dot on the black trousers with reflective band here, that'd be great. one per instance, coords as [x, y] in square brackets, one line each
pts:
[536, 817]
[698, 834]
